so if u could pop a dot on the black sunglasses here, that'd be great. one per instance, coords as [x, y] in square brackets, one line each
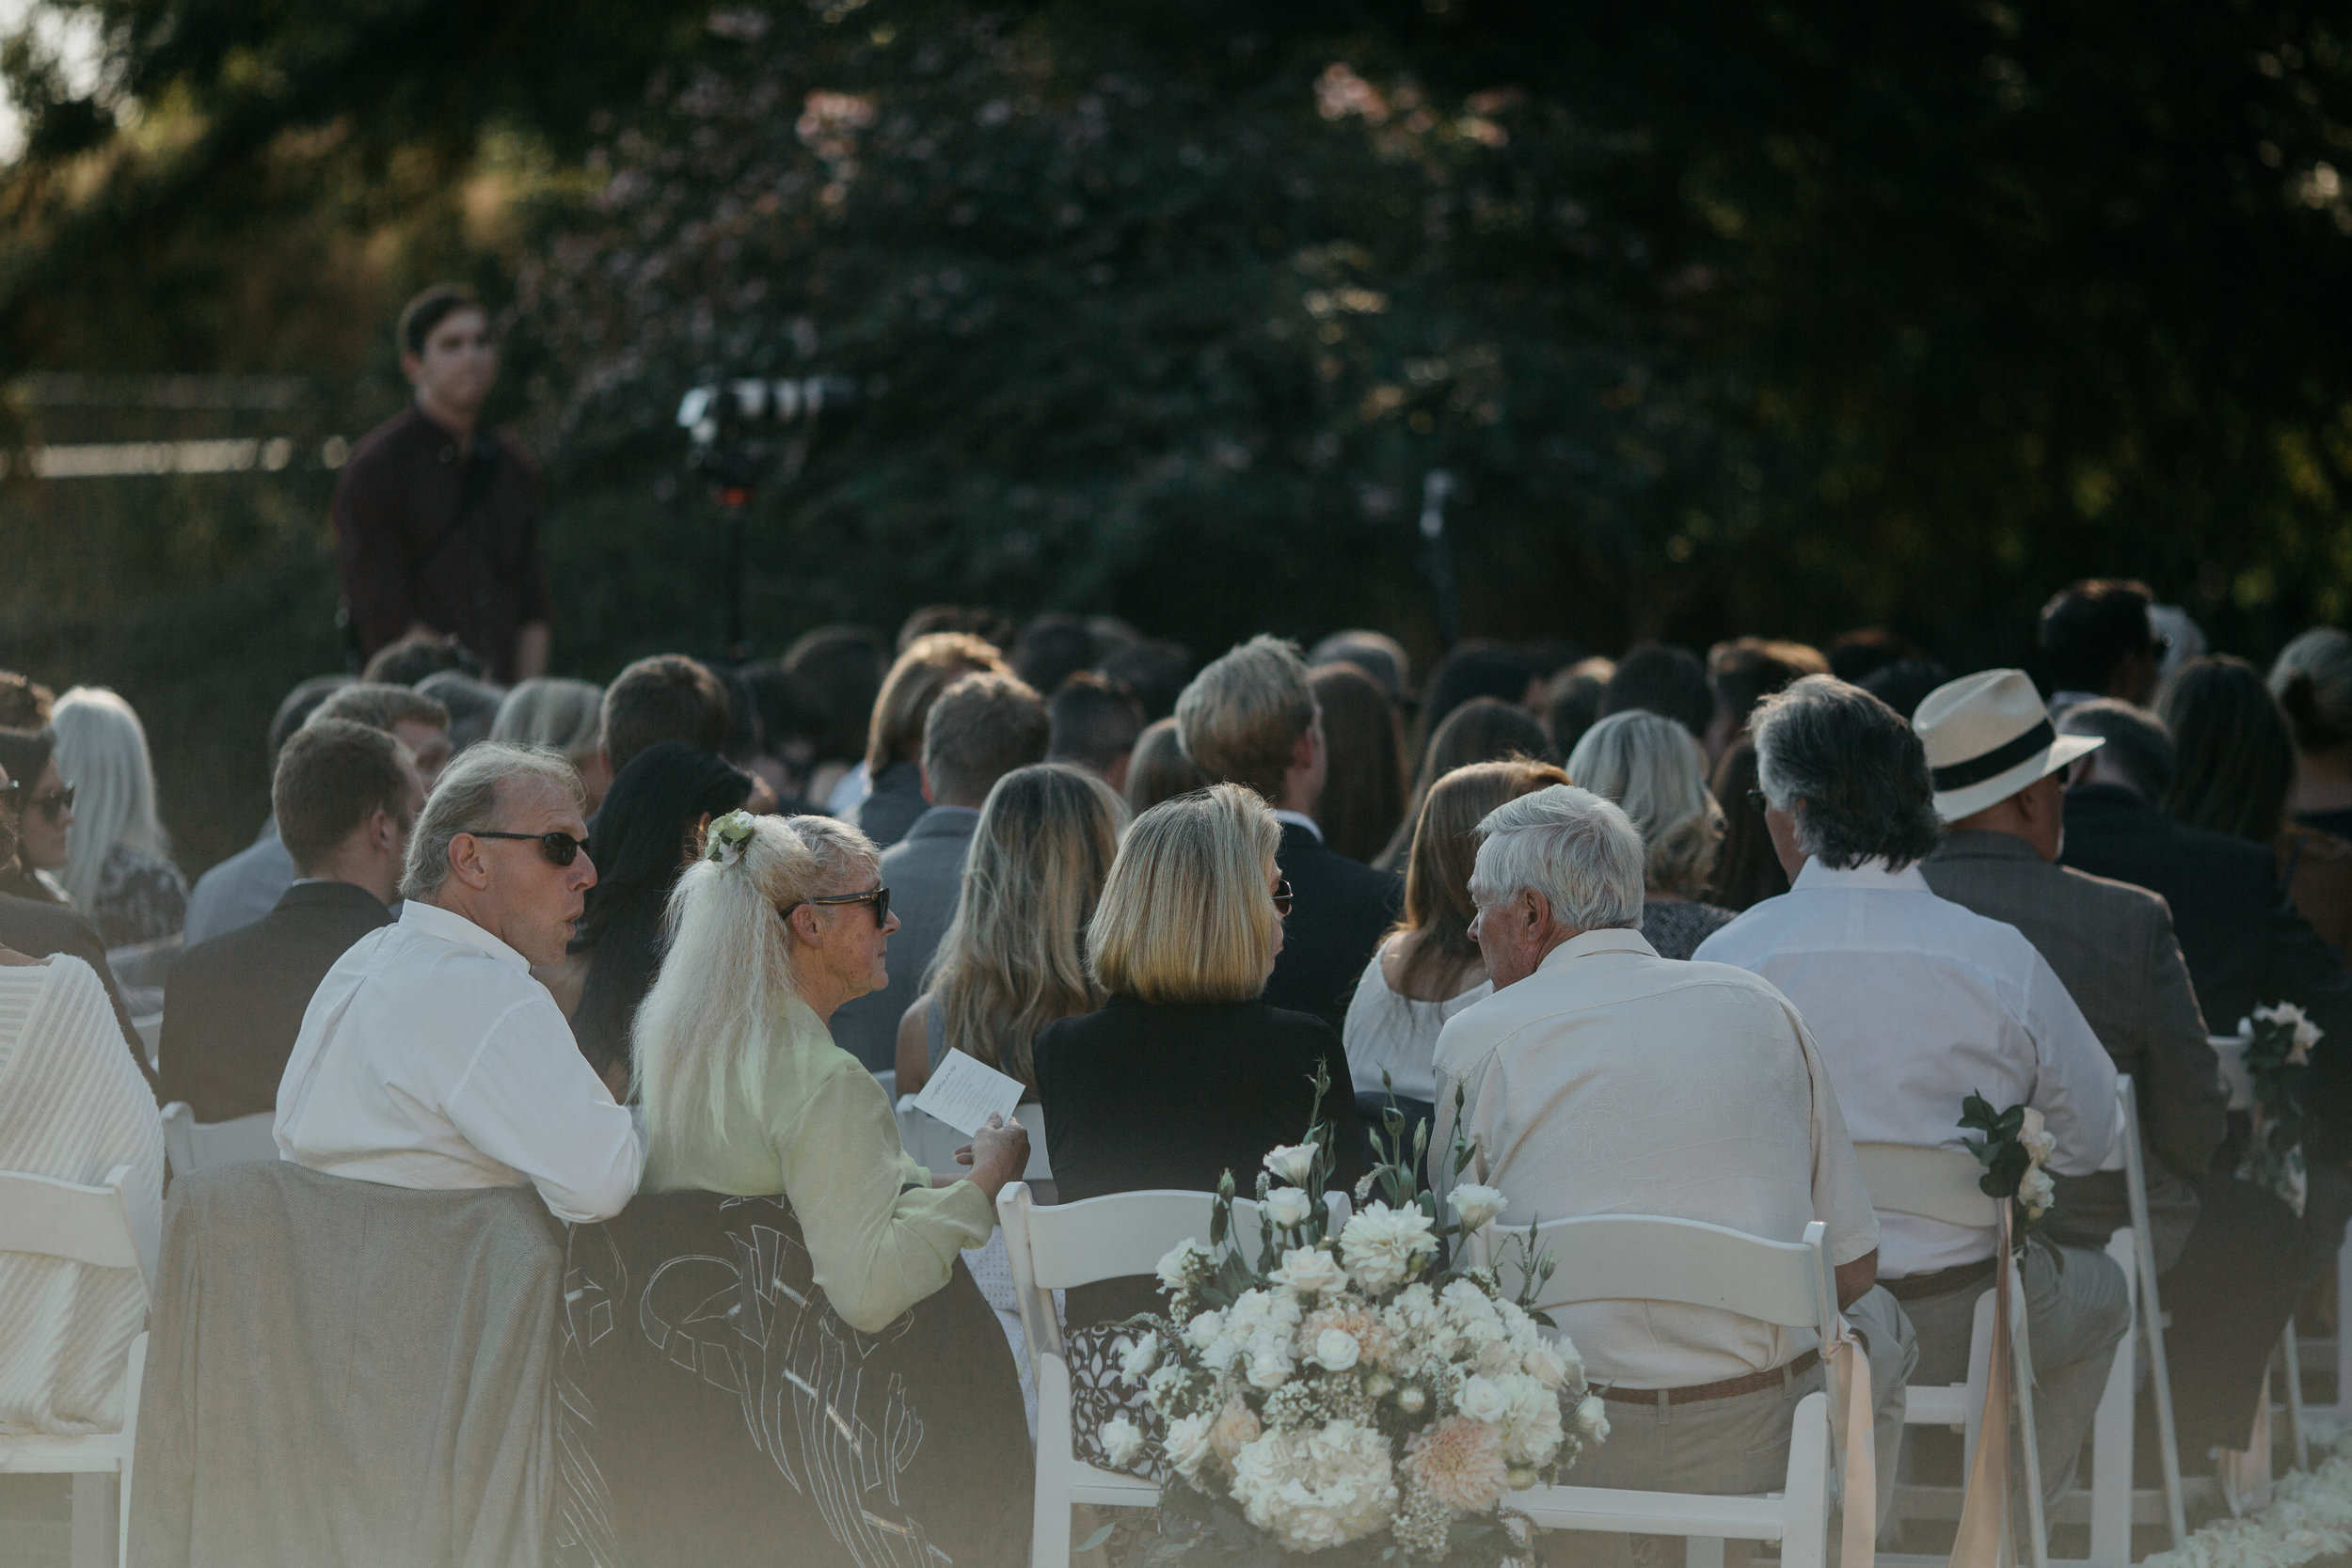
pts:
[879, 898]
[52, 806]
[559, 849]
[1283, 897]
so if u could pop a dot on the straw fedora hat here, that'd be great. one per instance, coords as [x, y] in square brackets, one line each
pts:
[1988, 736]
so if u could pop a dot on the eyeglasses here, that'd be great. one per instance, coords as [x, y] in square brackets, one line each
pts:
[559, 849]
[1756, 802]
[1283, 897]
[879, 897]
[55, 804]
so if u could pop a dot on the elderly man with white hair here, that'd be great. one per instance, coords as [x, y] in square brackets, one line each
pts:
[1602, 1079]
[429, 1057]
[1916, 1002]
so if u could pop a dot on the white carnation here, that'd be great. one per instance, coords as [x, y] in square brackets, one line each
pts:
[1474, 1205]
[1531, 1426]
[1591, 1417]
[1335, 1350]
[1287, 1208]
[1313, 1489]
[1293, 1163]
[1138, 1357]
[1123, 1442]
[1187, 1444]
[1309, 1271]
[1381, 1246]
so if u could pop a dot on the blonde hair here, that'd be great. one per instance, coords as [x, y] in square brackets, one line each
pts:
[717, 1012]
[1187, 915]
[1655, 771]
[1241, 718]
[102, 752]
[566, 715]
[930, 666]
[1013, 959]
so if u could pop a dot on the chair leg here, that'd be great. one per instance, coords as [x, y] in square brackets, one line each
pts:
[1049, 1526]
[2160, 1384]
[1804, 1528]
[93, 1534]
[2292, 1354]
[2020, 1368]
[133, 1379]
[2111, 1436]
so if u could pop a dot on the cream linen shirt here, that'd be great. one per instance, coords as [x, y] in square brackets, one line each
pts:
[1614, 1082]
[1915, 1002]
[430, 1058]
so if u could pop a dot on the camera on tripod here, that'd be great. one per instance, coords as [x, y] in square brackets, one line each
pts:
[741, 428]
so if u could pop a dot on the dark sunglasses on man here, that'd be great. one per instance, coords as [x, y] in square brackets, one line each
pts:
[879, 897]
[52, 805]
[559, 849]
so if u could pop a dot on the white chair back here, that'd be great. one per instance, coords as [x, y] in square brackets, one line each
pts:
[190, 1144]
[1645, 1258]
[1929, 1183]
[83, 1224]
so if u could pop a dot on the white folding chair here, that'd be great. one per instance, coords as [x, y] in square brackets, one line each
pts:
[93, 1226]
[2230, 1051]
[1058, 1248]
[190, 1144]
[1941, 1184]
[1637, 1256]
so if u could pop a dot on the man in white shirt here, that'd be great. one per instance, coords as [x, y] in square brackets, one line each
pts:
[429, 1057]
[1602, 1079]
[1914, 1004]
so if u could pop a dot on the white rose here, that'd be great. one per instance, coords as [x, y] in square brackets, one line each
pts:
[2037, 1192]
[1293, 1163]
[1544, 1364]
[1474, 1206]
[1591, 1417]
[1269, 1368]
[1138, 1357]
[1309, 1271]
[1187, 1444]
[1483, 1399]
[1123, 1442]
[1203, 1331]
[1286, 1208]
[1178, 1266]
[1335, 1350]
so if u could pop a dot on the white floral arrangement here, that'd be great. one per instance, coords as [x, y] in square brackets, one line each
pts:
[2015, 1147]
[2278, 1040]
[1348, 1394]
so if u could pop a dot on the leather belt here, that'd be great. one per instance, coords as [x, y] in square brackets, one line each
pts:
[1728, 1389]
[1915, 1286]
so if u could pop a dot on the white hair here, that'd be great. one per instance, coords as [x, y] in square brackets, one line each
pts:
[467, 798]
[1581, 852]
[102, 752]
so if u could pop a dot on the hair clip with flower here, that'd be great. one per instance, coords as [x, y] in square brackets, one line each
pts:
[727, 837]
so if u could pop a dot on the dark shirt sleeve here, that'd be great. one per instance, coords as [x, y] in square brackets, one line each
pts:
[2185, 1103]
[372, 553]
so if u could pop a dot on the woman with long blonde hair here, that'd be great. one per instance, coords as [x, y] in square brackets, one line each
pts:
[745, 1092]
[1013, 959]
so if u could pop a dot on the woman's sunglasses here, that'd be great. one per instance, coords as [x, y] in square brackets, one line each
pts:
[879, 898]
[50, 806]
[559, 849]
[1282, 898]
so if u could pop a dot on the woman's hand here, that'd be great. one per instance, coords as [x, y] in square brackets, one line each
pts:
[998, 1154]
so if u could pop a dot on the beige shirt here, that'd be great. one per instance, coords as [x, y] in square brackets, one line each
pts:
[1614, 1082]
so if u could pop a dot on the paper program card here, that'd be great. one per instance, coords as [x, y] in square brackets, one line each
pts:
[964, 1091]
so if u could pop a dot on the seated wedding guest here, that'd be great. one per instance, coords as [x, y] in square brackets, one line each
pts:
[649, 831]
[2311, 678]
[1485, 729]
[1664, 680]
[1915, 1002]
[245, 886]
[2227, 1251]
[43, 803]
[1155, 669]
[663, 697]
[1655, 772]
[1094, 722]
[429, 1057]
[410, 717]
[2096, 641]
[560, 715]
[344, 801]
[893, 747]
[980, 729]
[423, 652]
[1159, 770]
[1478, 668]
[834, 674]
[118, 870]
[1013, 957]
[39, 928]
[1428, 967]
[72, 1108]
[1905, 684]
[2233, 768]
[1376, 654]
[1250, 719]
[473, 705]
[782, 921]
[1745, 671]
[1747, 870]
[1363, 797]
[1577, 1078]
[1572, 702]
[1052, 647]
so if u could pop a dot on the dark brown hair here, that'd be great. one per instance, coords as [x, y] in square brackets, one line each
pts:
[1158, 770]
[429, 309]
[981, 728]
[666, 697]
[1434, 936]
[331, 777]
[1363, 793]
[2233, 757]
[1746, 870]
[1485, 729]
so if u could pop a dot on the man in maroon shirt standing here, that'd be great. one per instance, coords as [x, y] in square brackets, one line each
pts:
[437, 524]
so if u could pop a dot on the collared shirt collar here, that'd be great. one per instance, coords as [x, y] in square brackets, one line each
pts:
[1300, 819]
[434, 921]
[1608, 939]
[1813, 877]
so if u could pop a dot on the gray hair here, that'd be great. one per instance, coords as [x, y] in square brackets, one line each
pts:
[1583, 853]
[566, 715]
[469, 797]
[1651, 767]
[1855, 767]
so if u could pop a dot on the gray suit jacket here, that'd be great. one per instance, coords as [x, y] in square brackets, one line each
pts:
[2112, 946]
[924, 872]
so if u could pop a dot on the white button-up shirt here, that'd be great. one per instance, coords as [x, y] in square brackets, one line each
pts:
[1614, 1082]
[1915, 1002]
[429, 1057]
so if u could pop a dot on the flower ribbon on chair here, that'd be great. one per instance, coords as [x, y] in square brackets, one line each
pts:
[1851, 1427]
[1985, 1534]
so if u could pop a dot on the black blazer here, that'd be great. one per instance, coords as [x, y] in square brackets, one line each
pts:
[1341, 906]
[233, 1005]
[36, 929]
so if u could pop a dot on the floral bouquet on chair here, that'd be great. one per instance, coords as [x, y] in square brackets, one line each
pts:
[1346, 1395]
[2278, 1040]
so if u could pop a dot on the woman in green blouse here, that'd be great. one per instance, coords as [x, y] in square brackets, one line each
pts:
[781, 921]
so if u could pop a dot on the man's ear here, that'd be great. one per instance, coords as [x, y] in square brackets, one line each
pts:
[411, 365]
[924, 774]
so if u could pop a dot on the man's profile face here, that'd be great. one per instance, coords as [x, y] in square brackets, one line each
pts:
[532, 904]
[459, 363]
[429, 747]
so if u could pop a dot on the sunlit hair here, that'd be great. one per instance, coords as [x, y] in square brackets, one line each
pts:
[1241, 718]
[1434, 940]
[566, 715]
[1654, 769]
[102, 752]
[1581, 852]
[1013, 959]
[930, 665]
[1187, 915]
[727, 997]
